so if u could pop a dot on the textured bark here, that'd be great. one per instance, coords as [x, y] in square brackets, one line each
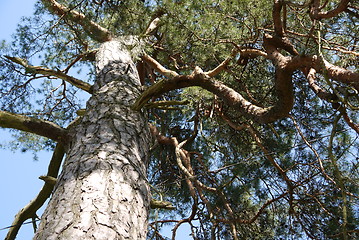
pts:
[102, 192]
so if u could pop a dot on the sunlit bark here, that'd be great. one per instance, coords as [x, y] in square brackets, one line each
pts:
[102, 192]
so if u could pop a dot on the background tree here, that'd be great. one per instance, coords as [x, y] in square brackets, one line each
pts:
[251, 106]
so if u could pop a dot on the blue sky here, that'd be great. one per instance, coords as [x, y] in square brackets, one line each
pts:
[19, 173]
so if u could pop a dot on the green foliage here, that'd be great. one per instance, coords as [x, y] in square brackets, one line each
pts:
[203, 33]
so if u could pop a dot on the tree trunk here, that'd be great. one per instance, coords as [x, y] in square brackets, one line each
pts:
[102, 192]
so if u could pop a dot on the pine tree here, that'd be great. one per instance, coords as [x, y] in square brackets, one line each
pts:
[235, 117]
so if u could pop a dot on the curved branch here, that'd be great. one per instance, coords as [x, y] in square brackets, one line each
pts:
[95, 31]
[159, 68]
[329, 97]
[283, 79]
[223, 64]
[262, 115]
[342, 6]
[30, 209]
[342, 75]
[336, 73]
[321, 93]
[33, 125]
[350, 122]
[59, 74]
[259, 212]
[283, 82]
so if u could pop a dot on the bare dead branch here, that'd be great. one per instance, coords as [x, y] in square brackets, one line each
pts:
[49, 72]
[154, 24]
[180, 155]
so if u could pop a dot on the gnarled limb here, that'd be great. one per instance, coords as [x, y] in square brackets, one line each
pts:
[49, 72]
[334, 72]
[30, 209]
[285, 66]
[229, 95]
[198, 78]
[33, 125]
[315, 12]
[342, 75]
[281, 43]
[329, 97]
[95, 31]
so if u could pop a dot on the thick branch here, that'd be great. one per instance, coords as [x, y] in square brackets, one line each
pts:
[342, 6]
[283, 82]
[229, 95]
[252, 53]
[278, 25]
[335, 73]
[263, 115]
[49, 72]
[281, 43]
[95, 31]
[329, 97]
[30, 209]
[342, 75]
[159, 68]
[33, 125]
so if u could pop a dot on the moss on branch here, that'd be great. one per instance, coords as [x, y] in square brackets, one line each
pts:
[33, 125]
